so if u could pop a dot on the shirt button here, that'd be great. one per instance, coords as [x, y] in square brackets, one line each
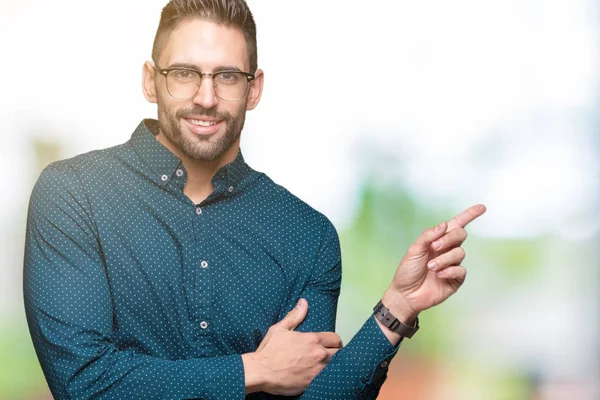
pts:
[179, 172]
[203, 324]
[204, 264]
[230, 189]
[384, 364]
[198, 210]
[164, 178]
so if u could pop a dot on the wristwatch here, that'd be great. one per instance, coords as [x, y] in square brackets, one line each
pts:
[383, 314]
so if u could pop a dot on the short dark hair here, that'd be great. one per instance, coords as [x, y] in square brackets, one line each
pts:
[230, 13]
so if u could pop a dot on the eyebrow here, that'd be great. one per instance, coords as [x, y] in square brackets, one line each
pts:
[195, 68]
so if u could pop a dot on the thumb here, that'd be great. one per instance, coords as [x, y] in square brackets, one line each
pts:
[429, 236]
[295, 317]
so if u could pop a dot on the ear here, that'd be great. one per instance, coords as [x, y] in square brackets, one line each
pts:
[256, 88]
[148, 82]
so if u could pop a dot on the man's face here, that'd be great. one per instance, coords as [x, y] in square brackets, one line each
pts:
[203, 127]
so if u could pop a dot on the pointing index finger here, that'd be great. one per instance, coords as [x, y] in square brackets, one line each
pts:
[462, 219]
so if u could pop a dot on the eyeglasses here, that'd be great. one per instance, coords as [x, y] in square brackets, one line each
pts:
[184, 83]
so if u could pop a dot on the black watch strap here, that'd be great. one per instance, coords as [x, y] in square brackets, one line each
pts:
[383, 314]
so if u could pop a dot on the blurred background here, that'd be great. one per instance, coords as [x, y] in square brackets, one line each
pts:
[387, 117]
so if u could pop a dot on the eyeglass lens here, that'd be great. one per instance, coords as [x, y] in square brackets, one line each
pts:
[184, 84]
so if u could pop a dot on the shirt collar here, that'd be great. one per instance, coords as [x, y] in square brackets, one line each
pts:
[163, 163]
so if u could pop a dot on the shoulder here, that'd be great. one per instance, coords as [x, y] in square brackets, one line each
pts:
[293, 212]
[63, 179]
[88, 162]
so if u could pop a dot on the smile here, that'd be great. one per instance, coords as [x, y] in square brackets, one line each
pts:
[203, 126]
[201, 123]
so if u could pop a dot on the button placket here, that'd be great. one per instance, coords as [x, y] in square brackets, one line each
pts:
[203, 292]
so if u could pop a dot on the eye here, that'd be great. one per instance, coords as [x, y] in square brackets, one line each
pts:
[184, 75]
[229, 78]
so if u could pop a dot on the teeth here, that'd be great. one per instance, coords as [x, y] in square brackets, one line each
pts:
[201, 123]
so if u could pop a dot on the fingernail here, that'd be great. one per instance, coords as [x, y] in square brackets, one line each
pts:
[437, 245]
[431, 265]
[439, 227]
[298, 303]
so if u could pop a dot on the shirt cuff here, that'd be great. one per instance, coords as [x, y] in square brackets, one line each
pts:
[384, 351]
[366, 358]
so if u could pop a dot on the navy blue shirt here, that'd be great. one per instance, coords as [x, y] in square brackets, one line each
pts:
[133, 291]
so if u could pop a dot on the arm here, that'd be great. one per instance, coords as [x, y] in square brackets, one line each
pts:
[359, 369]
[428, 274]
[296, 354]
[69, 311]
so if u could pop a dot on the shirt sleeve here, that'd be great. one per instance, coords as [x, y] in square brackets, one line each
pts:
[69, 311]
[359, 369]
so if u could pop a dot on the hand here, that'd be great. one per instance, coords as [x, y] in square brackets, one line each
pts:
[430, 271]
[286, 361]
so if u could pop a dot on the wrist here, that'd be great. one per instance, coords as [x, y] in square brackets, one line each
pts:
[399, 307]
[255, 377]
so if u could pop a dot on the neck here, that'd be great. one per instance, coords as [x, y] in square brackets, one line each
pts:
[198, 184]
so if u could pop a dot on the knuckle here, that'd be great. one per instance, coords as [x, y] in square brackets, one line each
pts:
[426, 234]
[430, 231]
[322, 354]
[312, 338]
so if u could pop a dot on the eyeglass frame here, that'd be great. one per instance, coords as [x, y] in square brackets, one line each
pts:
[165, 71]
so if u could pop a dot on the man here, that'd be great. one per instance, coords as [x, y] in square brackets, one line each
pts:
[166, 267]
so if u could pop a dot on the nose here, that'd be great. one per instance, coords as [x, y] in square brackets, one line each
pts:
[206, 96]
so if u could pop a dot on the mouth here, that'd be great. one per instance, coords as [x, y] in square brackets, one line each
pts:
[203, 125]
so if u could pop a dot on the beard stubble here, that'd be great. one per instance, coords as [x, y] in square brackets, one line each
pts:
[198, 147]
